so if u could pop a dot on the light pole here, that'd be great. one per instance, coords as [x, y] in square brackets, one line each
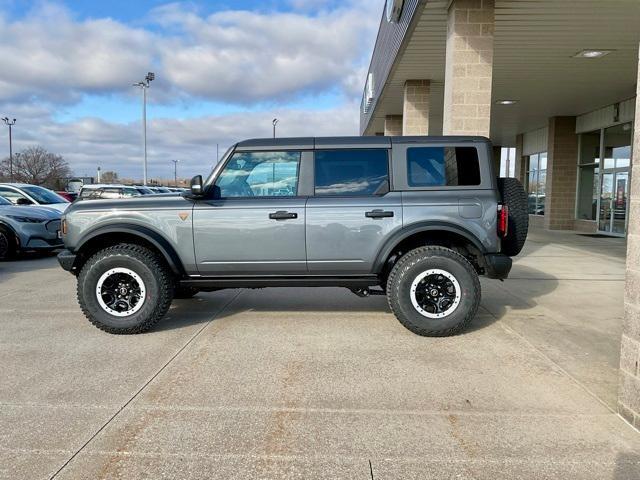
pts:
[274, 122]
[10, 124]
[175, 172]
[143, 86]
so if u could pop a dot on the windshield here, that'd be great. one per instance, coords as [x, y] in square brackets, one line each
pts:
[4, 201]
[44, 196]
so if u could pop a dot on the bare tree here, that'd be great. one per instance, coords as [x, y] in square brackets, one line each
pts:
[36, 166]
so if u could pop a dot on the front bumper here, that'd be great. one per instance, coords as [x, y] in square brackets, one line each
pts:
[497, 265]
[66, 259]
[36, 236]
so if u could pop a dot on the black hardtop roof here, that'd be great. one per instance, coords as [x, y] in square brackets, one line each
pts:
[308, 143]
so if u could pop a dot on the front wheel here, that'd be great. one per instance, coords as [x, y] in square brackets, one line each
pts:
[7, 243]
[125, 289]
[434, 291]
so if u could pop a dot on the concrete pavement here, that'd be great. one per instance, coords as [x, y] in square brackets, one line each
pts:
[318, 383]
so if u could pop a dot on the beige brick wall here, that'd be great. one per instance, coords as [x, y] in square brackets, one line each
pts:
[629, 389]
[562, 161]
[469, 68]
[393, 125]
[415, 115]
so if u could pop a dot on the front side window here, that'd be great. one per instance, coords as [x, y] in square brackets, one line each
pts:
[442, 166]
[12, 195]
[351, 172]
[260, 174]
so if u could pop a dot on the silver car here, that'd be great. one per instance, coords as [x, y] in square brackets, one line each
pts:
[28, 228]
[26, 194]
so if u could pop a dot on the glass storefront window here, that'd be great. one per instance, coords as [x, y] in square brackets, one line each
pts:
[603, 177]
[589, 160]
[536, 182]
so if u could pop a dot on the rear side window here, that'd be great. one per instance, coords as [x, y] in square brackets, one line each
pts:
[351, 172]
[442, 166]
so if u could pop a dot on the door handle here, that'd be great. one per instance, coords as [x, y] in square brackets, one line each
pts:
[282, 215]
[378, 214]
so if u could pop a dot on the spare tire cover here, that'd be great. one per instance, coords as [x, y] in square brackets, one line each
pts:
[512, 195]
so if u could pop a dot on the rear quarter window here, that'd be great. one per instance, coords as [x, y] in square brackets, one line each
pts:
[351, 172]
[442, 166]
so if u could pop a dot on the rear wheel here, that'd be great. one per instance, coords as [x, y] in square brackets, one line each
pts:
[434, 291]
[7, 243]
[125, 289]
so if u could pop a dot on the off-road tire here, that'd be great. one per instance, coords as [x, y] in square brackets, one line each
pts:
[7, 243]
[185, 292]
[414, 263]
[513, 195]
[152, 270]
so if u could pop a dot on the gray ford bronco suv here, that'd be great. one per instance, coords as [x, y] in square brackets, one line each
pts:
[417, 219]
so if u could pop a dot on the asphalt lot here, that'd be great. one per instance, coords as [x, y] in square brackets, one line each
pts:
[318, 383]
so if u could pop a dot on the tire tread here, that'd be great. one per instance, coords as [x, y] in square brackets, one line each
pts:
[161, 273]
[409, 259]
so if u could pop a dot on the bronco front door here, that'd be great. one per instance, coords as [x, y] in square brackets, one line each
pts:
[255, 222]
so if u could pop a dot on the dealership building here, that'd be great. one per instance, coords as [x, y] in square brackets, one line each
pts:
[555, 82]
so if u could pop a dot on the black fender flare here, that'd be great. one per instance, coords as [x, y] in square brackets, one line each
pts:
[420, 227]
[148, 234]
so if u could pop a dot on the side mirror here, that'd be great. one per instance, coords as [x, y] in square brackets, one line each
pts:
[23, 201]
[196, 186]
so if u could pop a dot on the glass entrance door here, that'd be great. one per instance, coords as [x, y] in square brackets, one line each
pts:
[606, 205]
[614, 180]
[614, 193]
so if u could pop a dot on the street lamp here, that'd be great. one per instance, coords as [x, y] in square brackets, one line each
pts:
[143, 86]
[10, 123]
[175, 172]
[274, 122]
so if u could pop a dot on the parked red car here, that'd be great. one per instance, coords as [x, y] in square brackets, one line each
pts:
[71, 196]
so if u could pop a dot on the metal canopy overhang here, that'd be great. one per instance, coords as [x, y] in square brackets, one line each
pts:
[535, 45]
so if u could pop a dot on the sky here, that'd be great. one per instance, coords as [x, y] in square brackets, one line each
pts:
[224, 69]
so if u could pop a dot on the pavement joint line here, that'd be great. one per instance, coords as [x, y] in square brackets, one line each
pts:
[589, 254]
[56, 405]
[556, 365]
[547, 358]
[355, 458]
[153, 377]
[39, 451]
[364, 411]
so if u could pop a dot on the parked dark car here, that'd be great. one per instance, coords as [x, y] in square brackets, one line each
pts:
[28, 228]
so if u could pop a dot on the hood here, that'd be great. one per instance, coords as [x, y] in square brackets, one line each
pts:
[141, 202]
[59, 207]
[44, 213]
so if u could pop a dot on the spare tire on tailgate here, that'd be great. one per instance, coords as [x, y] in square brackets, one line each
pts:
[512, 195]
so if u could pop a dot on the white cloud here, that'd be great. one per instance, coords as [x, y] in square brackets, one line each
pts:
[232, 56]
[49, 55]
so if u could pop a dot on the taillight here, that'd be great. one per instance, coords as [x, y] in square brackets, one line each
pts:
[503, 220]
